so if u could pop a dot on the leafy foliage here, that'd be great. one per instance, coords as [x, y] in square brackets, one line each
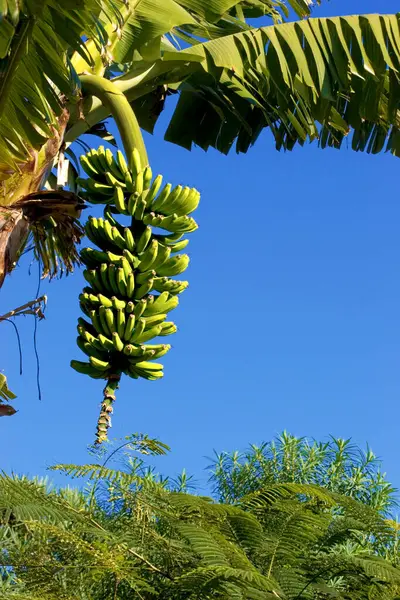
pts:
[133, 534]
[337, 465]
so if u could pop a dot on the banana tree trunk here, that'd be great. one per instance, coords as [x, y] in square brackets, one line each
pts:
[15, 186]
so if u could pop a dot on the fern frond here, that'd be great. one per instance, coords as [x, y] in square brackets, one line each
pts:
[203, 544]
[202, 578]
[270, 494]
[97, 472]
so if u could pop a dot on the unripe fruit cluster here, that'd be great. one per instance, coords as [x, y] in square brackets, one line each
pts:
[130, 273]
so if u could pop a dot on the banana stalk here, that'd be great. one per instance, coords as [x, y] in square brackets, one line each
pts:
[104, 421]
[119, 107]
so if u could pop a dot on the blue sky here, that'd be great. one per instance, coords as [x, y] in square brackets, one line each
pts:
[291, 320]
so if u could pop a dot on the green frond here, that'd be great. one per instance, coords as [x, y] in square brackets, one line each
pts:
[25, 500]
[376, 568]
[316, 79]
[204, 579]
[270, 494]
[96, 472]
[36, 72]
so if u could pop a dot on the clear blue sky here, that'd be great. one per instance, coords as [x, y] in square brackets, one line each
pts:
[291, 320]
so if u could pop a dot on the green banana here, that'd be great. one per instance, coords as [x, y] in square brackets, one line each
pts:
[92, 258]
[164, 303]
[90, 276]
[103, 321]
[94, 160]
[153, 219]
[145, 276]
[140, 307]
[117, 238]
[149, 334]
[159, 349]
[120, 323]
[133, 350]
[121, 162]
[129, 183]
[85, 368]
[178, 194]
[113, 165]
[129, 239]
[132, 203]
[121, 281]
[146, 374]
[87, 336]
[139, 183]
[148, 257]
[174, 266]
[114, 181]
[163, 254]
[154, 320]
[143, 289]
[191, 203]
[106, 302]
[100, 365]
[162, 198]
[154, 189]
[130, 285]
[129, 327]
[139, 329]
[112, 278]
[143, 240]
[110, 320]
[149, 366]
[119, 201]
[96, 321]
[133, 260]
[103, 270]
[167, 328]
[89, 349]
[125, 264]
[178, 246]
[105, 342]
[135, 162]
[140, 208]
[129, 308]
[119, 304]
[118, 343]
[147, 177]
[88, 167]
[164, 284]
[146, 355]
[101, 154]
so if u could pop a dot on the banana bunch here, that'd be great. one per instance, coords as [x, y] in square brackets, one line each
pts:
[130, 271]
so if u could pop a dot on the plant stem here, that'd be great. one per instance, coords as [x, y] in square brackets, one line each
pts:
[134, 85]
[121, 110]
[104, 421]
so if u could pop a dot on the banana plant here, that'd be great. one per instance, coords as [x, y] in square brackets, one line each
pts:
[311, 79]
[67, 65]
